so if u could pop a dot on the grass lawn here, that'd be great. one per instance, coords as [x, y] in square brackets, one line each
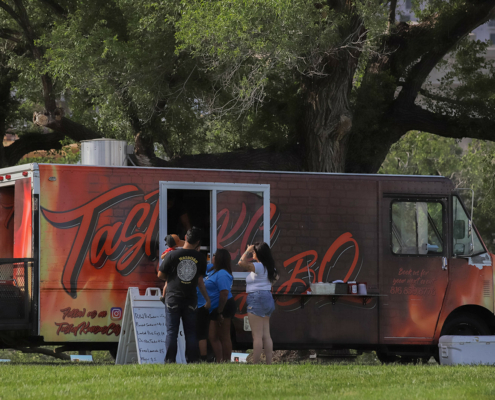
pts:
[38, 380]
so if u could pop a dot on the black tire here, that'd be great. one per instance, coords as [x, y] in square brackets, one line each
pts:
[466, 325]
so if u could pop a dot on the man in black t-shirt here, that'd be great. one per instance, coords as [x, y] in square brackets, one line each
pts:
[183, 269]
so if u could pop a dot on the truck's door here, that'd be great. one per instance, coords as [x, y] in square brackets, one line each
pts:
[413, 271]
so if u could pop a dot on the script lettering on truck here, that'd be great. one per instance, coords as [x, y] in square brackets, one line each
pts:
[127, 242]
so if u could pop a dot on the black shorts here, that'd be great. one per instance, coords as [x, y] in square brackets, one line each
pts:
[228, 311]
[202, 323]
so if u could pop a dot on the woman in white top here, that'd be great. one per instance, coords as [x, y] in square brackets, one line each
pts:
[260, 305]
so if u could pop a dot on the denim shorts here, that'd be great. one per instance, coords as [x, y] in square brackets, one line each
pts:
[260, 303]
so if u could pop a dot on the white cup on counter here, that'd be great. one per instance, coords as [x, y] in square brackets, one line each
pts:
[362, 288]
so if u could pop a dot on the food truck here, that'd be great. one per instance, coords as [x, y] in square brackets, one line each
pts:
[74, 238]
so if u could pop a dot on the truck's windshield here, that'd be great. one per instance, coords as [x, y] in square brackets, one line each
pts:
[417, 227]
[466, 240]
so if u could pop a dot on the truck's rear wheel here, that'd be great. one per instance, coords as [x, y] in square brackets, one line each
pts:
[466, 325]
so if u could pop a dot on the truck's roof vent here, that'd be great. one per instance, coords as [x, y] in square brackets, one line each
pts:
[105, 152]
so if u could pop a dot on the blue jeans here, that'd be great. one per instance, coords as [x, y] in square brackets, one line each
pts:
[174, 313]
[260, 303]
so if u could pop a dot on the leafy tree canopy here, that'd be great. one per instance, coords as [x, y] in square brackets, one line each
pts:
[331, 86]
[359, 79]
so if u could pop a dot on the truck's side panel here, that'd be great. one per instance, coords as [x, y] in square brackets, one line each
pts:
[99, 235]
[330, 225]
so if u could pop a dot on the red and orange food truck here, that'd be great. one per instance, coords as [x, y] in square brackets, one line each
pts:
[75, 238]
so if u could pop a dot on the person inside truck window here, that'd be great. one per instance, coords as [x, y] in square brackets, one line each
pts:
[178, 219]
[258, 260]
[218, 285]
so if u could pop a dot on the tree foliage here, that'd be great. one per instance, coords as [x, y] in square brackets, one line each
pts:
[328, 86]
[468, 165]
[359, 80]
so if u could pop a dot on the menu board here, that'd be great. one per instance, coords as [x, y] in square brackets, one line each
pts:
[150, 333]
[143, 335]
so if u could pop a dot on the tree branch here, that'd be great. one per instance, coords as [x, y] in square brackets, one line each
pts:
[446, 33]
[59, 124]
[416, 118]
[469, 103]
[9, 35]
[28, 143]
[55, 7]
[391, 14]
[33, 141]
[11, 12]
[22, 18]
[24, 23]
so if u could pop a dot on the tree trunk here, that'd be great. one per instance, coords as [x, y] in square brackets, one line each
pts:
[368, 148]
[327, 118]
[144, 149]
[373, 131]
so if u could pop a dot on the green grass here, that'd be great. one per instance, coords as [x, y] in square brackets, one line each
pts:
[304, 381]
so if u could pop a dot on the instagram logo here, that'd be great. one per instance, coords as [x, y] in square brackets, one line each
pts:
[116, 313]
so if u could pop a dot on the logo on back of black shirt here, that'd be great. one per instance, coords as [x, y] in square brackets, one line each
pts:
[186, 270]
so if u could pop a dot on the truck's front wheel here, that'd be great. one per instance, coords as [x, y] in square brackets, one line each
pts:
[466, 325]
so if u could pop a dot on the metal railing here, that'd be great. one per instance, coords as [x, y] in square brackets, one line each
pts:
[18, 293]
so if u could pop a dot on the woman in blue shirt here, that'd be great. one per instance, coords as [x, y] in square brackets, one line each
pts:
[222, 310]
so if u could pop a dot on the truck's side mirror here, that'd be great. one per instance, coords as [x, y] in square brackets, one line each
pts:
[459, 249]
[459, 229]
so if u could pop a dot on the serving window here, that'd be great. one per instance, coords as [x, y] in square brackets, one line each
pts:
[231, 215]
[417, 227]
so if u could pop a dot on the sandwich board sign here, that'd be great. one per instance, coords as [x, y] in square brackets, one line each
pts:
[142, 339]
